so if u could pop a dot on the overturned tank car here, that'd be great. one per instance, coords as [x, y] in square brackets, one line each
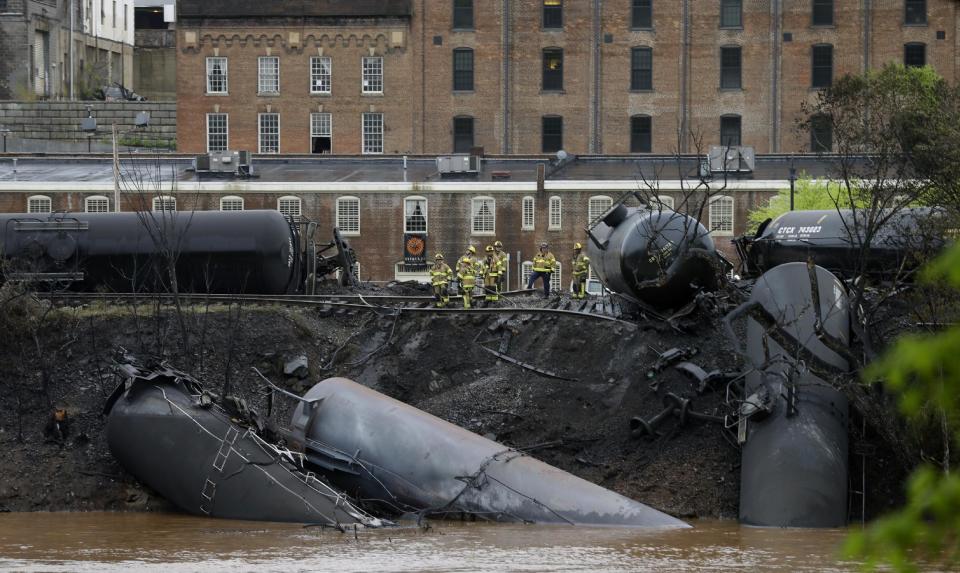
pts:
[406, 461]
[654, 256]
[834, 240]
[252, 252]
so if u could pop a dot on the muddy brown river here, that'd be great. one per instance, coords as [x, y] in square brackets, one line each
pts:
[158, 542]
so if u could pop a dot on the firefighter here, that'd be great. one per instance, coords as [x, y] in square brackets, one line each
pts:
[544, 264]
[581, 268]
[440, 276]
[491, 274]
[467, 273]
[502, 270]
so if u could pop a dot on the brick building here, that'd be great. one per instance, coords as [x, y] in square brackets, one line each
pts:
[532, 76]
[376, 202]
[58, 49]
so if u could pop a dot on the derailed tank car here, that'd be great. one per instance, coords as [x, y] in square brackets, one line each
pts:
[833, 239]
[257, 252]
[653, 255]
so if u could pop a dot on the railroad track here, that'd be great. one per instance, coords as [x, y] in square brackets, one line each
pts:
[383, 304]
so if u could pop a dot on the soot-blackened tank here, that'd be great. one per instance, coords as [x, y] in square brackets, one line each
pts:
[215, 252]
[655, 255]
[833, 240]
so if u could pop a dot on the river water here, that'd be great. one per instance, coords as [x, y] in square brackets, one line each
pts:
[161, 542]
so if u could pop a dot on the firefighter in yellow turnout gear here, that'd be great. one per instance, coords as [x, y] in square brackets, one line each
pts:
[440, 276]
[467, 273]
[544, 263]
[491, 274]
[502, 262]
[581, 269]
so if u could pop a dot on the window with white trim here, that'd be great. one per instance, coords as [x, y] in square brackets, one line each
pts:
[269, 124]
[597, 206]
[321, 133]
[527, 217]
[415, 215]
[556, 279]
[216, 75]
[526, 269]
[664, 201]
[483, 216]
[96, 204]
[164, 203]
[321, 69]
[721, 215]
[39, 204]
[372, 75]
[231, 203]
[555, 216]
[268, 78]
[289, 206]
[348, 215]
[218, 132]
[372, 133]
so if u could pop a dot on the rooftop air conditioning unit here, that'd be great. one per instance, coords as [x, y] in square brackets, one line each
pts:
[732, 159]
[458, 165]
[225, 162]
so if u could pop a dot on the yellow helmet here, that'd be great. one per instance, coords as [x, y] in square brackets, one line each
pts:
[472, 250]
[497, 244]
[577, 246]
[439, 256]
[489, 249]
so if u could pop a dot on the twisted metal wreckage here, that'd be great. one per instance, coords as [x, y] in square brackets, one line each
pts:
[352, 446]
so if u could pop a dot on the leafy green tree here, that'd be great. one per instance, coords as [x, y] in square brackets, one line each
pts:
[809, 195]
[924, 371]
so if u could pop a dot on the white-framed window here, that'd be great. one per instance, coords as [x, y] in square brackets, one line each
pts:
[556, 279]
[321, 133]
[721, 215]
[597, 206]
[268, 76]
[348, 215]
[164, 203]
[415, 215]
[483, 216]
[664, 201]
[554, 214]
[526, 269]
[218, 132]
[372, 75]
[289, 206]
[217, 75]
[372, 133]
[39, 204]
[269, 124]
[96, 204]
[231, 203]
[527, 218]
[321, 69]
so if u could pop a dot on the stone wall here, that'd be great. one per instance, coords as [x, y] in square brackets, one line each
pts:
[55, 126]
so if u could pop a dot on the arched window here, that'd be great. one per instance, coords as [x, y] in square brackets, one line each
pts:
[462, 134]
[597, 206]
[641, 68]
[96, 204]
[483, 216]
[730, 130]
[165, 203]
[821, 134]
[721, 215]
[641, 134]
[664, 201]
[527, 217]
[415, 215]
[289, 206]
[231, 203]
[462, 70]
[39, 204]
[348, 215]
[555, 214]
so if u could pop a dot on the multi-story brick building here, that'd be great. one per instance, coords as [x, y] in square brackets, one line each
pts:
[64, 48]
[532, 76]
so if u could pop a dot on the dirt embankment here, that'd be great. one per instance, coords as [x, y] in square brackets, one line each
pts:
[577, 421]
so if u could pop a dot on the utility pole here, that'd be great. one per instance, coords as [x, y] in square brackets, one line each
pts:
[116, 172]
[73, 14]
[793, 180]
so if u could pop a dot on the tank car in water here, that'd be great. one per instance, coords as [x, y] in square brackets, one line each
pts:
[654, 255]
[254, 252]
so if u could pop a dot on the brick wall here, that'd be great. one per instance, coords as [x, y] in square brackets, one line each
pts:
[61, 120]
